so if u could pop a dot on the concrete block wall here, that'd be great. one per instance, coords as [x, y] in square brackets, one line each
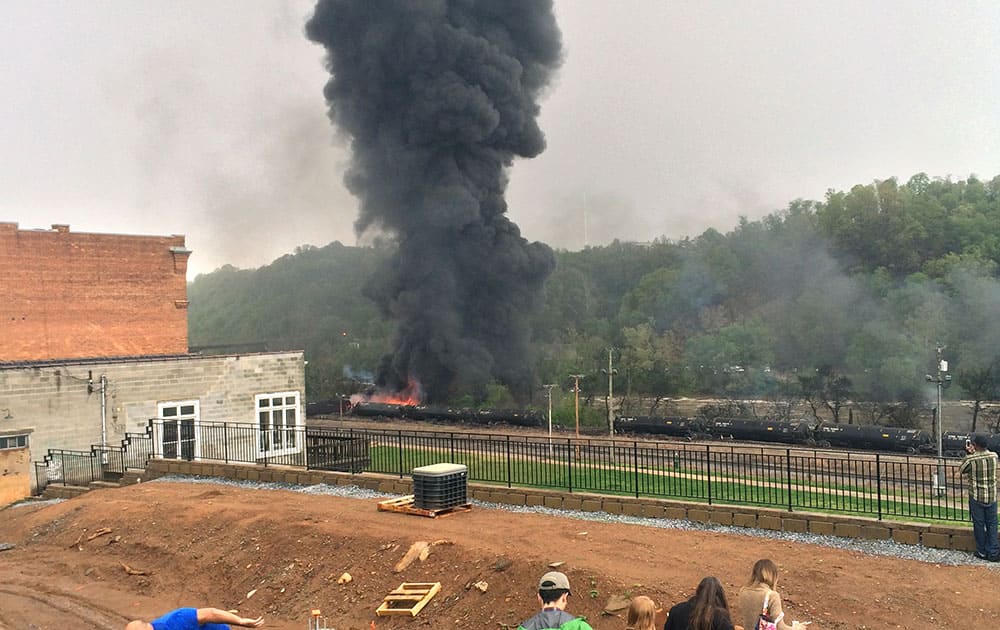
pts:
[936, 536]
[73, 294]
[52, 399]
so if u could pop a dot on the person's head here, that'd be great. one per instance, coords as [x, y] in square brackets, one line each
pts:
[138, 625]
[980, 442]
[553, 589]
[641, 613]
[709, 600]
[764, 572]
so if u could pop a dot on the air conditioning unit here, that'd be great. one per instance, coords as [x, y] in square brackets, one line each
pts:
[440, 486]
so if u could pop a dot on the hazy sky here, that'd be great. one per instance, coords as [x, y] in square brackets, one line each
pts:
[206, 118]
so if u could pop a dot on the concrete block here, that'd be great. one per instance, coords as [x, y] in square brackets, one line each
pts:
[936, 541]
[590, 505]
[572, 503]
[534, 499]
[699, 515]
[253, 474]
[742, 519]
[875, 532]
[769, 522]
[823, 528]
[515, 498]
[906, 536]
[800, 525]
[652, 510]
[721, 517]
[481, 494]
[612, 507]
[847, 530]
[963, 542]
[676, 513]
[632, 509]
[553, 502]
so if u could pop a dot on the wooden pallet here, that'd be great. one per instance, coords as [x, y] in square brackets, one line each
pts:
[408, 598]
[405, 505]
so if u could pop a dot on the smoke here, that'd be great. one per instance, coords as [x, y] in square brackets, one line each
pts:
[438, 97]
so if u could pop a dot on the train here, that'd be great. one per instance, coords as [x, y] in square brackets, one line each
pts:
[482, 417]
[801, 432]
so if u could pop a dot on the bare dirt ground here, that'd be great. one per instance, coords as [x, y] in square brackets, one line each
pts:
[280, 553]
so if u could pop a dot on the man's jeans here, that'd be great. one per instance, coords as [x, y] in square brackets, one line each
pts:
[984, 527]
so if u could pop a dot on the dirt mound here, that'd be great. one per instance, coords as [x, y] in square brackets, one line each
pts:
[281, 553]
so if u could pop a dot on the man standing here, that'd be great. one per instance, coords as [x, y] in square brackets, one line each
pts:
[553, 595]
[980, 470]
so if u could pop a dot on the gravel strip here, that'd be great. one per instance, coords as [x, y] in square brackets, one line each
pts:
[886, 548]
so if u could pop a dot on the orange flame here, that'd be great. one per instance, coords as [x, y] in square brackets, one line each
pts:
[412, 394]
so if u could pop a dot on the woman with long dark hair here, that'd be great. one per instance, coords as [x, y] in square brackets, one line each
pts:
[707, 610]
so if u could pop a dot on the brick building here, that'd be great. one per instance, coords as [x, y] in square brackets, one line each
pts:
[93, 345]
[72, 295]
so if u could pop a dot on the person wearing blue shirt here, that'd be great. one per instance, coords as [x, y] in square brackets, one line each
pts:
[196, 619]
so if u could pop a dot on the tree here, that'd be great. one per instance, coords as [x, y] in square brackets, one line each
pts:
[980, 384]
[825, 388]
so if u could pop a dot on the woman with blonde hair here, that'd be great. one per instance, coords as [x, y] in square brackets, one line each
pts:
[759, 596]
[641, 614]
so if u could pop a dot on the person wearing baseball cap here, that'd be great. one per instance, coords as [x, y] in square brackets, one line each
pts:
[553, 595]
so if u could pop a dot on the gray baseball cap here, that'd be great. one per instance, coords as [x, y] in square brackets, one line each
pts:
[553, 580]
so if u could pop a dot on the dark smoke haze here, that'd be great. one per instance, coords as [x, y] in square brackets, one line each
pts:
[438, 97]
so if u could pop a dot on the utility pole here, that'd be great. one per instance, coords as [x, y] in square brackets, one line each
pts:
[942, 379]
[549, 389]
[576, 406]
[611, 371]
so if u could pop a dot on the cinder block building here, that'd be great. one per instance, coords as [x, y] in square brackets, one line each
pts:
[93, 344]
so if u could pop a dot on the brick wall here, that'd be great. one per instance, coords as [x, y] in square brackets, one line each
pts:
[74, 295]
[53, 399]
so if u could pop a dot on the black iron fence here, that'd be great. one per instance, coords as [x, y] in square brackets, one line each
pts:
[865, 484]
[79, 468]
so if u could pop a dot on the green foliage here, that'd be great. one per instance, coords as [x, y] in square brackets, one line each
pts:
[832, 300]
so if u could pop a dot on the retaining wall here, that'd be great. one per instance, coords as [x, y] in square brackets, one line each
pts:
[935, 536]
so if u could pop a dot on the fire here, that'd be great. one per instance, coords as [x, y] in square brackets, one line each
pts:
[412, 394]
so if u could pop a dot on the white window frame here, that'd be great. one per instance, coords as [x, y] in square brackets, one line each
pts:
[160, 406]
[273, 440]
[10, 442]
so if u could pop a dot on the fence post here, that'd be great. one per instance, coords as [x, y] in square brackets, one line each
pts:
[635, 465]
[509, 475]
[400, 444]
[225, 441]
[708, 470]
[569, 464]
[878, 482]
[788, 474]
[451, 445]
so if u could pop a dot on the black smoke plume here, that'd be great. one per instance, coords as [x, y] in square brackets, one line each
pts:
[438, 97]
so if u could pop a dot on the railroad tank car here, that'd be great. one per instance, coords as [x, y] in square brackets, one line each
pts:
[686, 428]
[378, 410]
[783, 432]
[952, 444]
[869, 437]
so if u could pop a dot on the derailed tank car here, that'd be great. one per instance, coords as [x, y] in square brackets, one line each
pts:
[687, 428]
[871, 437]
[784, 432]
